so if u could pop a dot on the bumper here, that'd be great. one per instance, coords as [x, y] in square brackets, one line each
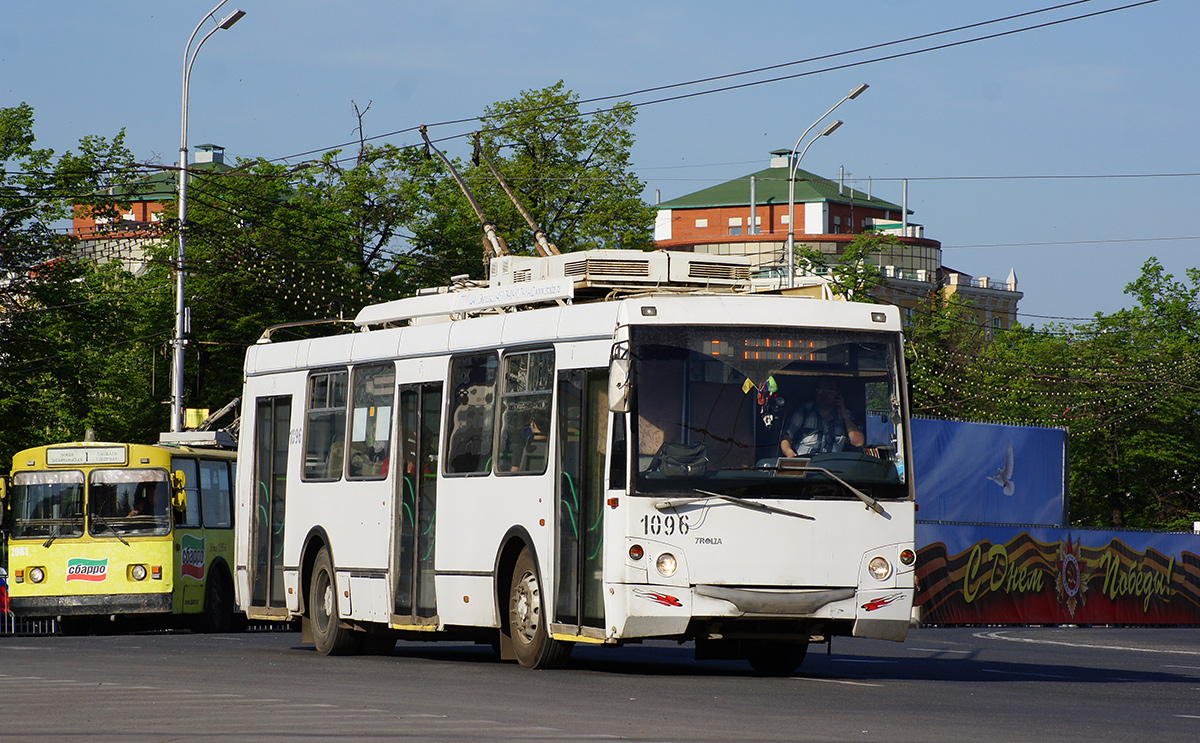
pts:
[76, 606]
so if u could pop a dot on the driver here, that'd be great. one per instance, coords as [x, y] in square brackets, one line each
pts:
[822, 425]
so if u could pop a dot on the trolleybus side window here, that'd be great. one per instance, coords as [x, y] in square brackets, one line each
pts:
[216, 498]
[371, 421]
[325, 426]
[191, 515]
[525, 412]
[472, 410]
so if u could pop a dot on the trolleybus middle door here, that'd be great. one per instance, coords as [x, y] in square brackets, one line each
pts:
[583, 441]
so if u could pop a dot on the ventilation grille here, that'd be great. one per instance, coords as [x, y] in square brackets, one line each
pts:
[605, 267]
[717, 271]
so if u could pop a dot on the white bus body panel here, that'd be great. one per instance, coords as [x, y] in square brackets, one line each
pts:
[725, 546]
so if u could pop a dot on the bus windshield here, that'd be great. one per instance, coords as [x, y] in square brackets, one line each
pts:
[47, 504]
[129, 501]
[766, 412]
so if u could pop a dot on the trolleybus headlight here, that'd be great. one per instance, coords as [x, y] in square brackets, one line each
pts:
[908, 557]
[879, 567]
[138, 572]
[37, 575]
[636, 552]
[666, 564]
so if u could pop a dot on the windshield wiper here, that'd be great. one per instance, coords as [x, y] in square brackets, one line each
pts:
[870, 502]
[58, 531]
[706, 495]
[53, 535]
[101, 522]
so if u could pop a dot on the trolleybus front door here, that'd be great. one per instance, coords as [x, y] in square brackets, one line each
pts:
[583, 441]
[416, 502]
[273, 417]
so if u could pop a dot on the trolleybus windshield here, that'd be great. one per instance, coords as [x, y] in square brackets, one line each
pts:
[711, 406]
[129, 501]
[47, 504]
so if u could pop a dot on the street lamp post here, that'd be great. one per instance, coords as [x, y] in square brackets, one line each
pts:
[793, 166]
[181, 313]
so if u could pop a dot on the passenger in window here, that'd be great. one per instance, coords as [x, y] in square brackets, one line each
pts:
[822, 425]
[149, 500]
[537, 444]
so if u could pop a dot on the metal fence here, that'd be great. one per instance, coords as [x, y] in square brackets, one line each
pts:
[13, 625]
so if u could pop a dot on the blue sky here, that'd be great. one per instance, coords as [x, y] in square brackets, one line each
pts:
[983, 131]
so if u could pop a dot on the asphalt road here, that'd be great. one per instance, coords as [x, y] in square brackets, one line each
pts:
[1051, 685]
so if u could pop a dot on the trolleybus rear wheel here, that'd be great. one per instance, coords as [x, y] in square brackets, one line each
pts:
[330, 637]
[776, 658]
[218, 604]
[528, 624]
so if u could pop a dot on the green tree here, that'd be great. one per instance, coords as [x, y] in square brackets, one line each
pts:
[853, 273]
[570, 170]
[1126, 386]
[64, 352]
[1139, 465]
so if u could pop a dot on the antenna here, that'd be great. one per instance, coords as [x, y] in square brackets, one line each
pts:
[544, 246]
[495, 244]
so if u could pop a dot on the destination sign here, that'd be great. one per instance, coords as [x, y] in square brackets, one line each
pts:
[78, 456]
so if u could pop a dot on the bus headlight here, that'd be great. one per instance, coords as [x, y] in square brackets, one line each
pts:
[880, 568]
[908, 557]
[137, 572]
[636, 552]
[666, 564]
[37, 575]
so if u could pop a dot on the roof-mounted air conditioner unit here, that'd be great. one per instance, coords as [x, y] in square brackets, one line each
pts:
[625, 268]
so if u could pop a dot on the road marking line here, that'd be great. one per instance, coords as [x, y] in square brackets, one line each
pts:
[936, 650]
[836, 681]
[999, 635]
[863, 660]
[1190, 717]
[1023, 673]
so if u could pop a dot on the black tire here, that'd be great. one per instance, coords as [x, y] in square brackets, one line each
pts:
[776, 658]
[330, 637]
[75, 626]
[218, 604]
[528, 623]
[373, 644]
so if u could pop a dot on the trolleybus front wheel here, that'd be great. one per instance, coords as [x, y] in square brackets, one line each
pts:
[330, 637]
[527, 621]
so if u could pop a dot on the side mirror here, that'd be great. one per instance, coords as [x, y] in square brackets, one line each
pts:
[3, 489]
[179, 491]
[618, 386]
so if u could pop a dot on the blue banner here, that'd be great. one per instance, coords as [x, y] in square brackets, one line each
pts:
[989, 473]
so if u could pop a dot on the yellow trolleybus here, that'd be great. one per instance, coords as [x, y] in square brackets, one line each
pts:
[103, 532]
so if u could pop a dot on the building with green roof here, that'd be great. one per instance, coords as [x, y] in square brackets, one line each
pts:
[749, 216]
[125, 237]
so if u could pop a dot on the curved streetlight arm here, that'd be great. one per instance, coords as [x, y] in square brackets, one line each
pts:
[794, 165]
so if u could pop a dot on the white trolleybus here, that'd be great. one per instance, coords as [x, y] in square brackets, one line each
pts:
[587, 450]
